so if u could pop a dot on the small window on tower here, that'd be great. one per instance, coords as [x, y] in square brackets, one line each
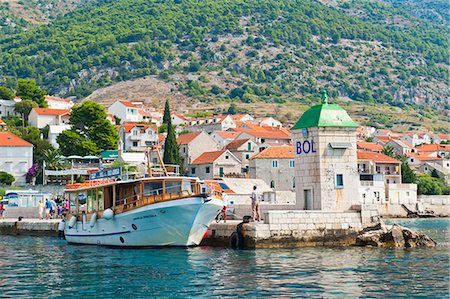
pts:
[339, 181]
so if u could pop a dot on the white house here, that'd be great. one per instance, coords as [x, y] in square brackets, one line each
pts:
[54, 131]
[58, 103]
[268, 122]
[126, 111]
[179, 119]
[211, 124]
[7, 108]
[217, 164]
[400, 147]
[224, 137]
[40, 117]
[16, 156]
[137, 137]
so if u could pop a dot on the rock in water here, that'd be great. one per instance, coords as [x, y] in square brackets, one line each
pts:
[395, 236]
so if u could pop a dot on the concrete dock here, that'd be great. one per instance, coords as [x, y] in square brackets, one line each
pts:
[29, 226]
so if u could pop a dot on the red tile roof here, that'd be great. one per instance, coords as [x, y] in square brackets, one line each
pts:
[127, 127]
[235, 144]
[369, 146]
[128, 104]
[444, 136]
[143, 113]
[227, 134]
[433, 147]
[208, 157]
[273, 134]
[376, 157]
[50, 111]
[9, 139]
[187, 137]
[276, 152]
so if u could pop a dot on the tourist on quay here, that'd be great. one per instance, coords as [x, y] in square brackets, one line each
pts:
[65, 207]
[255, 205]
[224, 209]
[2, 210]
[48, 207]
[53, 207]
[60, 212]
[41, 209]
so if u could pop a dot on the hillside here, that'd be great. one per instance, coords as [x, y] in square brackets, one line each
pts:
[247, 51]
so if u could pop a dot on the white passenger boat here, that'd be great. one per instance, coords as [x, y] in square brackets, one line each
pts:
[152, 211]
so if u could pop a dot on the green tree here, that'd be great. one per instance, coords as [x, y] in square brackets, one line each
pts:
[28, 90]
[24, 107]
[33, 136]
[52, 159]
[73, 143]
[166, 116]
[6, 93]
[408, 175]
[6, 178]
[232, 109]
[90, 121]
[171, 149]
[427, 185]
[388, 151]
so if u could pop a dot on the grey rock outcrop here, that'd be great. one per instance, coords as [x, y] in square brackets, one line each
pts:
[394, 236]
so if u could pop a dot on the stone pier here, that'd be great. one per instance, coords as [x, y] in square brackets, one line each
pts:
[29, 227]
[296, 228]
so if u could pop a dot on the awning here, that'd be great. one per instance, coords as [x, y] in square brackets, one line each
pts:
[341, 145]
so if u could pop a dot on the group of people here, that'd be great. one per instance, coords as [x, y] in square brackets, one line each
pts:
[52, 210]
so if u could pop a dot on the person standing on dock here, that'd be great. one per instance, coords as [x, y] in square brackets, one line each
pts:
[255, 205]
[41, 210]
[2, 210]
[48, 207]
[224, 209]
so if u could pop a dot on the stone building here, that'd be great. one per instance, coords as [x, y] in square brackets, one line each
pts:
[325, 159]
[275, 165]
[243, 149]
[192, 145]
[214, 165]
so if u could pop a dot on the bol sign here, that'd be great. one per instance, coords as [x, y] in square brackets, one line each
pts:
[304, 147]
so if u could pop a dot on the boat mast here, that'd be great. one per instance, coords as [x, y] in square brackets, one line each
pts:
[157, 149]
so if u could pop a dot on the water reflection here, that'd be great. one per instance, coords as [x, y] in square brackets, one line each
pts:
[47, 267]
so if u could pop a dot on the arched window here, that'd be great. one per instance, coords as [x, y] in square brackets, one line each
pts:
[293, 182]
[272, 184]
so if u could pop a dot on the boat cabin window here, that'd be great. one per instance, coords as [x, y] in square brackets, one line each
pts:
[173, 187]
[100, 199]
[73, 203]
[152, 188]
[92, 200]
[188, 186]
[82, 202]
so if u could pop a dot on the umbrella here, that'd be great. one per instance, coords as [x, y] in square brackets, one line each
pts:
[90, 157]
[73, 157]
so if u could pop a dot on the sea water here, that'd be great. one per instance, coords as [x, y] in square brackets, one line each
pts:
[42, 267]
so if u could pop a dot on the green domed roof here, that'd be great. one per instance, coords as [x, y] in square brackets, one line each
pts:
[325, 115]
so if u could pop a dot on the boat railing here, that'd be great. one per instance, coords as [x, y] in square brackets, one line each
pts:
[151, 197]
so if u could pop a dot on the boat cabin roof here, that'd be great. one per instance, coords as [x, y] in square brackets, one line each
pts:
[106, 184]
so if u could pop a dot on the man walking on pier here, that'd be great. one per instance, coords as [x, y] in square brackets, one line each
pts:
[255, 205]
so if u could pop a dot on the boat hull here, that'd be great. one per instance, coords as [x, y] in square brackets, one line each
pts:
[181, 222]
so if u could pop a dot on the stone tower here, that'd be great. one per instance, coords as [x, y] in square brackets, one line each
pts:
[325, 159]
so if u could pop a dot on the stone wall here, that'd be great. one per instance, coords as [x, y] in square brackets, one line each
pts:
[297, 228]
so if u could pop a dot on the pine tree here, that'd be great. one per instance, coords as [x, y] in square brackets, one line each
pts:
[171, 149]
[166, 117]
[408, 175]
